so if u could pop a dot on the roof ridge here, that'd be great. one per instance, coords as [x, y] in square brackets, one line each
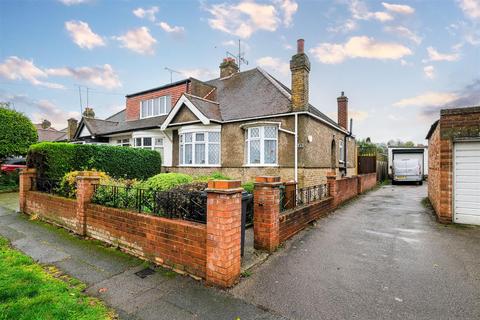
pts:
[206, 100]
[100, 119]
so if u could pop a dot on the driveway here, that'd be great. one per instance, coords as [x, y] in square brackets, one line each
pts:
[382, 256]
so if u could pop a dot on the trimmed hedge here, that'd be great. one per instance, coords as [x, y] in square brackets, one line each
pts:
[53, 160]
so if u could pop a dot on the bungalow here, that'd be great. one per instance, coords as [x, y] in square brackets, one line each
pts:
[243, 124]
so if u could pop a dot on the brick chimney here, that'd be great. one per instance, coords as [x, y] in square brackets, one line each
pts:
[342, 102]
[72, 127]
[88, 112]
[300, 67]
[228, 67]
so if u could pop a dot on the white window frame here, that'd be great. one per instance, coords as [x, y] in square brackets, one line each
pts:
[160, 102]
[262, 139]
[122, 142]
[194, 131]
[153, 146]
[341, 146]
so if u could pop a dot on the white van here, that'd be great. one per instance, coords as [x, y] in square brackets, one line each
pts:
[407, 170]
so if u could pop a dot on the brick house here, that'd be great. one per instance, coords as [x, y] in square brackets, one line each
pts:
[243, 124]
[454, 165]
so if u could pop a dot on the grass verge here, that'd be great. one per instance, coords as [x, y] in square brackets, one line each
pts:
[32, 291]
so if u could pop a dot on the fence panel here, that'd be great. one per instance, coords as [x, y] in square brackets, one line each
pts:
[367, 164]
[382, 170]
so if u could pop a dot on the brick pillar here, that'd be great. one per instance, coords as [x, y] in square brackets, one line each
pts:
[332, 187]
[224, 210]
[25, 181]
[266, 197]
[85, 188]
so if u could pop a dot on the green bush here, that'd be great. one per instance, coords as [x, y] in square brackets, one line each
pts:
[213, 176]
[17, 133]
[53, 160]
[248, 186]
[165, 181]
[8, 181]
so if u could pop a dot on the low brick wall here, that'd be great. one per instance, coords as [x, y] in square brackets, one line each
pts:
[366, 182]
[175, 243]
[295, 220]
[345, 189]
[57, 210]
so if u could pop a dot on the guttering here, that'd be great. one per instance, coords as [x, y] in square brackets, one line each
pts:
[279, 124]
[296, 150]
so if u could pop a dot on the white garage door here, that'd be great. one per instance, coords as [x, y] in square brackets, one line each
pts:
[467, 183]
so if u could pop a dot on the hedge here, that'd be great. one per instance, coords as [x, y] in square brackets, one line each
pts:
[53, 160]
[17, 133]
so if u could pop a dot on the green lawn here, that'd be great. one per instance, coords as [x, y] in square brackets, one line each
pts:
[32, 291]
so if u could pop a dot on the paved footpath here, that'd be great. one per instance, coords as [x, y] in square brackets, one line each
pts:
[110, 275]
[382, 256]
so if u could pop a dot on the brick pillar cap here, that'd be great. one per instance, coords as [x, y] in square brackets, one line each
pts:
[28, 171]
[331, 175]
[224, 186]
[267, 179]
[88, 177]
[289, 183]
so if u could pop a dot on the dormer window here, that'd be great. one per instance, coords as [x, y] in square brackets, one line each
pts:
[155, 107]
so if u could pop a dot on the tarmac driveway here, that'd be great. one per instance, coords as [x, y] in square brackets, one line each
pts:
[382, 256]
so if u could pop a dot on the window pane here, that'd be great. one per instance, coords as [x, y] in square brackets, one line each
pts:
[150, 107]
[144, 108]
[214, 136]
[159, 150]
[270, 132]
[270, 155]
[138, 142]
[147, 142]
[156, 107]
[188, 154]
[254, 132]
[168, 103]
[119, 141]
[254, 151]
[181, 154]
[188, 137]
[162, 104]
[214, 153]
[200, 137]
[200, 153]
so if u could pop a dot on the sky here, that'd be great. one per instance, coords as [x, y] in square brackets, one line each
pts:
[399, 62]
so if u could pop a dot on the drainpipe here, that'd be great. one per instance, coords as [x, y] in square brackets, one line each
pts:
[296, 148]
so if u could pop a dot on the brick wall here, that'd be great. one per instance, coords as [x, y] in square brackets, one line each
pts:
[294, 221]
[57, 210]
[133, 103]
[366, 182]
[434, 169]
[175, 243]
[345, 189]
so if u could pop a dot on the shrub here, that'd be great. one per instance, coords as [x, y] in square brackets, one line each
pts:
[17, 133]
[165, 181]
[68, 187]
[213, 176]
[8, 181]
[248, 186]
[53, 160]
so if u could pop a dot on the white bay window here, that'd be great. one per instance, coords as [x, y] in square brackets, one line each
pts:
[261, 146]
[199, 148]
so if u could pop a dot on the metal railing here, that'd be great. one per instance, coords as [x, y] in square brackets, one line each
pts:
[302, 196]
[174, 204]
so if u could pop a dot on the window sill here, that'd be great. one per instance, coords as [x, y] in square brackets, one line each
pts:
[200, 165]
[260, 165]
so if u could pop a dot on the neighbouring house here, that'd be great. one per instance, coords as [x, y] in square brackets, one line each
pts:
[243, 124]
[47, 133]
[454, 165]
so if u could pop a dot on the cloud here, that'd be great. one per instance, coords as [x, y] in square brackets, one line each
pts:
[434, 55]
[398, 8]
[199, 73]
[471, 8]
[73, 2]
[345, 27]
[82, 35]
[429, 72]
[171, 29]
[288, 8]
[138, 40]
[54, 114]
[357, 115]
[466, 97]
[359, 47]
[276, 65]
[427, 99]
[359, 11]
[102, 76]
[469, 31]
[244, 18]
[404, 32]
[15, 68]
[146, 13]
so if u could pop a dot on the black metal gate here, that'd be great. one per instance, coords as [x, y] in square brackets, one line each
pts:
[247, 215]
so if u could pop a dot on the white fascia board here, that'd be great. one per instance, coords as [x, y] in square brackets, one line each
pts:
[184, 100]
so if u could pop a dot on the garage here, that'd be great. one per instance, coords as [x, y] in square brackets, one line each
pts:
[467, 182]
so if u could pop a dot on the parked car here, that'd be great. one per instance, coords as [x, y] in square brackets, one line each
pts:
[407, 170]
[13, 164]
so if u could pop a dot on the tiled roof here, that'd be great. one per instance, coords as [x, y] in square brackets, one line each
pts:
[103, 127]
[210, 109]
[49, 134]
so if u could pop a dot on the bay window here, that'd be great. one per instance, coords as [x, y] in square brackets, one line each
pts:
[261, 145]
[155, 107]
[199, 148]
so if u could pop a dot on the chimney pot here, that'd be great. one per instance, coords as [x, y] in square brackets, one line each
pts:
[300, 46]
